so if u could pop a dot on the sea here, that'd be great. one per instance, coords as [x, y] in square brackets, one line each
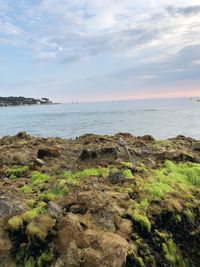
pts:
[161, 118]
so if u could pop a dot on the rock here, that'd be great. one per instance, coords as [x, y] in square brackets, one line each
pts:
[54, 210]
[72, 257]
[11, 206]
[48, 152]
[22, 135]
[92, 200]
[107, 249]
[70, 230]
[147, 138]
[108, 152]
[196, 147]
[125, 228]
[11, 158]
[104, 220]
[5, 247]
[91, 154]
[6, 260]
[88, 154]
[116, 178]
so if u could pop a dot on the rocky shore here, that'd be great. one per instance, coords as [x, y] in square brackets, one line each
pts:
[103, 201]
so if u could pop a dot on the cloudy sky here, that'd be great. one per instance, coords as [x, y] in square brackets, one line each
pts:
[88, 50]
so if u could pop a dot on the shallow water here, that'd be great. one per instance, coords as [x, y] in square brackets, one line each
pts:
[160, 118]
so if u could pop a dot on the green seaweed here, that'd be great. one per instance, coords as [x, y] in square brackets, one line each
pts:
[45, 258]
[17, 171]
[171, 254]
[127, 164]
[38, 178]
[158, 144]
[15, 223]
[142, 220]
[144, 204]
[26, 189]
[31, 214]
[182, 178]
[128, 174]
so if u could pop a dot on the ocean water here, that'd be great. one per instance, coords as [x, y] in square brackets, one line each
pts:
[160, 118]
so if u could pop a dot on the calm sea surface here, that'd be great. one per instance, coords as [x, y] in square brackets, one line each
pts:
[160, 118]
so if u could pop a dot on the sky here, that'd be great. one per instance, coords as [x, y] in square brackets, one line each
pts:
[99, 50]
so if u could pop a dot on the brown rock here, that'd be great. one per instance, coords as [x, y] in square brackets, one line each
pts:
[125, 228]
[5, 247]
[92, 200]
[111, 249]
[70, 230]
[11, 206]
[48, 152]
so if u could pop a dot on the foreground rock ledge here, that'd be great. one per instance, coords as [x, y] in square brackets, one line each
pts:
[108, 201]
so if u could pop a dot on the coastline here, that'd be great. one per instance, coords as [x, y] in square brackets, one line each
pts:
[136, 197]
[30, 105]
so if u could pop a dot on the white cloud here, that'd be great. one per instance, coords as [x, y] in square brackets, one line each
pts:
[148, 34]
[126, 27]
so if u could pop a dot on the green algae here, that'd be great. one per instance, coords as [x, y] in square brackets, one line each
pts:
[47, 196]
[144, 204]
[15, 223]
[186, 173]
[139, 216]
[80, 174]
[127, 164]
[182, 178]
[171, 254]
[30, 262]
[31, 202]
[128, 190]
[142, 220]
[38, 178]
[16, 171]
[45, 258]
[189, 215]
[158, 190]
[128, 174]
[26, 189]
[158, 144]
[31, 214]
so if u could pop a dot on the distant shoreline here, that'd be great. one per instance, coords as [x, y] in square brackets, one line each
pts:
[31, 105]
[13, 101]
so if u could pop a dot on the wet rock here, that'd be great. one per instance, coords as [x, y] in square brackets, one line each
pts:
[48, 152]
[10, 206]
[116, 178]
